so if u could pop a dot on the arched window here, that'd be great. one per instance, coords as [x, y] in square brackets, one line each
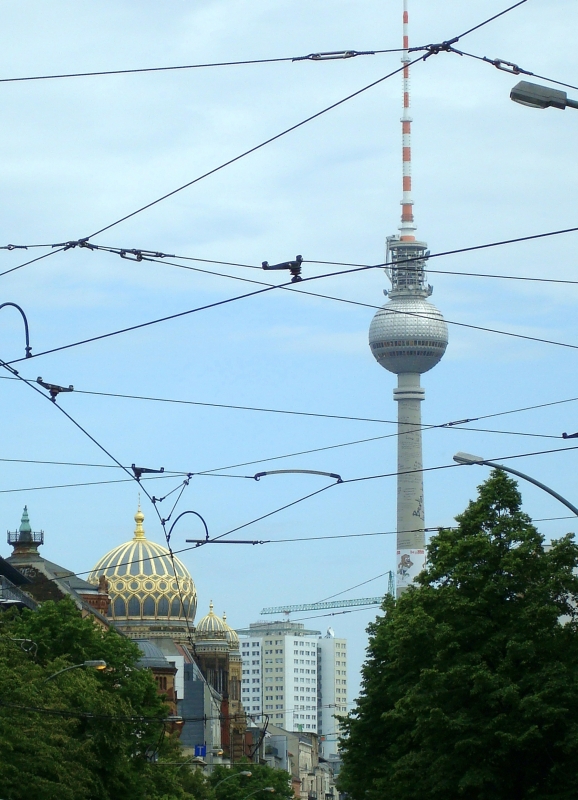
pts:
[148, 607]
[119, 607]
[134, 607]
[175, 607]
[163, 607]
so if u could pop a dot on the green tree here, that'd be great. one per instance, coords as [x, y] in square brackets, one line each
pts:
[470, 688]
[261, 776]
[82, 735]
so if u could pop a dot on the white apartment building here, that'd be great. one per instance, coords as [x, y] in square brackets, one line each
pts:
[332, 681]
[281, 666]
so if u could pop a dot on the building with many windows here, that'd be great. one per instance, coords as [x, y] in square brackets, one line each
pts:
[285, 669]
[332, 682]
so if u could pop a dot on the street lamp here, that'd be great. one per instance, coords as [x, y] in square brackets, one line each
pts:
[97, 664]
[245, 773]
[536, 96]
[266, 789]
[467, 458]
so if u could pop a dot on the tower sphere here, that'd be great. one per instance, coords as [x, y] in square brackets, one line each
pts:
[408, 335]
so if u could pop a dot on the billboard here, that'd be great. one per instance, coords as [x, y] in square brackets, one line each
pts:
[409, 564]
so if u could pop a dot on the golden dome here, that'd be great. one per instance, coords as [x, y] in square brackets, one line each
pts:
[231, 635]
[211, 626]
[142, 582]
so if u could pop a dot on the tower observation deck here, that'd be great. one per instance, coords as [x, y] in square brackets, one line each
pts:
[408, 336]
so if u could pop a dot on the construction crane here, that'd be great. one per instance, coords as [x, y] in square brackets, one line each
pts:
[362, 601]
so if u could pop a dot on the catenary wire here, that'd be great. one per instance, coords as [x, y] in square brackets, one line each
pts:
[163, 256]
[491, 19]
[32, 260]
[299, 124]
[291, 412]
[515, 69]
[353, 53]
[154, 256]
[249, 151]
[132, 476]
[357, 585]
[291, 286]
[343, 482]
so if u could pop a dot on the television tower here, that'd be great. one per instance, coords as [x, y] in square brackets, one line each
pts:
[408, 336]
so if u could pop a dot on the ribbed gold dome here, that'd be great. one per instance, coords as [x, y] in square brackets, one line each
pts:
[231, 635]
[211, 626]
[142, 583]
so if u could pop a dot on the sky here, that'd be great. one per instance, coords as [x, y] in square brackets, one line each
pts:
[78, 154]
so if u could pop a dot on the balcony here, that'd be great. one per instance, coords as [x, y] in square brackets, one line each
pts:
[15, 537]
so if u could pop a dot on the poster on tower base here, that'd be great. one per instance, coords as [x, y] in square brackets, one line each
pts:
[409, 564]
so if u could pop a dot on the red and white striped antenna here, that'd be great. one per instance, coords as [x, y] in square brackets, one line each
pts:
[407, 226]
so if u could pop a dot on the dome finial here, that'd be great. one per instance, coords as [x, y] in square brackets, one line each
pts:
[25, 527]
[139, 519]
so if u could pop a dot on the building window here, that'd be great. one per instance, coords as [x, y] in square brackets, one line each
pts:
[134, 607]
[119, 607]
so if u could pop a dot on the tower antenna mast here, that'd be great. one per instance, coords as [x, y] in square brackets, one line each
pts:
[407, 226]
[408, 336]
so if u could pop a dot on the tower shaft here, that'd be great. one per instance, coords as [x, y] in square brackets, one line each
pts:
[410, 510]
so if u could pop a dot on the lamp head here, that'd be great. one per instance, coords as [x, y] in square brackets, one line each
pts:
[536, 96]
[467, 458]
[98, 664]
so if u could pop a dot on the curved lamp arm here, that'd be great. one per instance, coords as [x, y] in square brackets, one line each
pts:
[26, 331]
[466, 458]
[98, 664]
[265, 789]
[245, 773]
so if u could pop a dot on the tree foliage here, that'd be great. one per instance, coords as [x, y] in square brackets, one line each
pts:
[227, 787]
[81, 736]
[470, 688]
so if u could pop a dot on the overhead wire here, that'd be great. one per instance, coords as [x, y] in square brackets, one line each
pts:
[290, 286]
[251, 150]
[357, 585]
[514, 69]
[303, 122]
[343, 482]
[32, 260]
[132, 476]
[347, 55]
[457, 424]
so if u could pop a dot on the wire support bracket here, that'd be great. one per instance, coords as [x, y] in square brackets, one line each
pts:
[294, 267]
[54, 389]
[140, 471]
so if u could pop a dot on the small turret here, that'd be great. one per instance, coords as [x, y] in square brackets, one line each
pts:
[25, 540]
